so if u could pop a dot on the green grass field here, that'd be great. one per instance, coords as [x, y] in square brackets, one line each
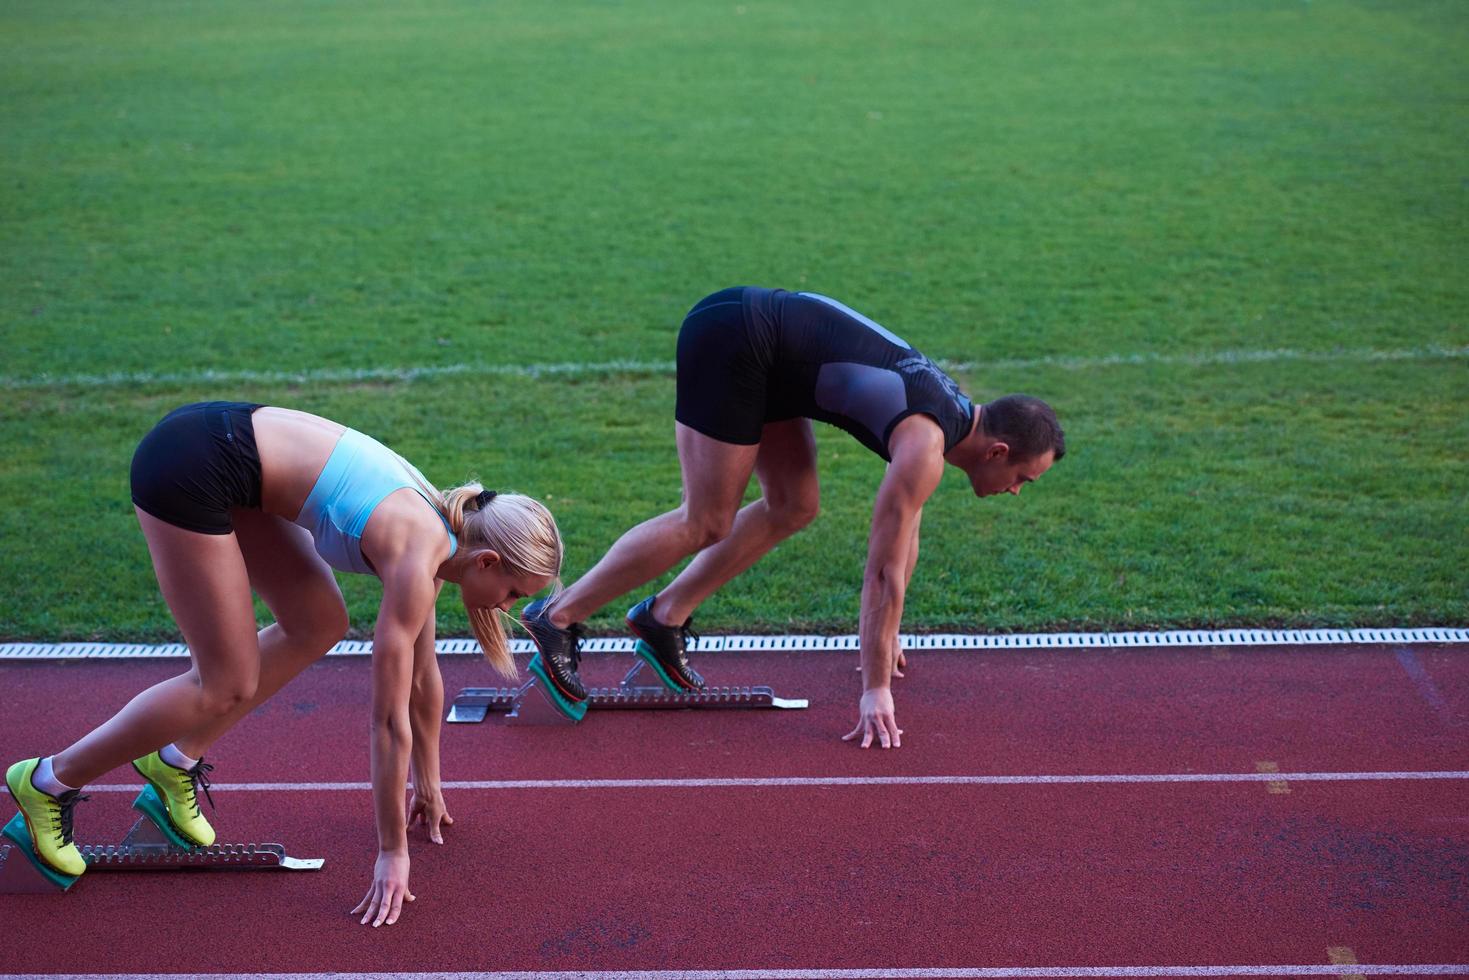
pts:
[1219, 235]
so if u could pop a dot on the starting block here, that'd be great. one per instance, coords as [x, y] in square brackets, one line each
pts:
[532, 704]
[152, 845]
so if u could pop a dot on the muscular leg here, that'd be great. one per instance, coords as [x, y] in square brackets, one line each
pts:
[714, 478]
[207, 589]
[786, 468]
[310, 616]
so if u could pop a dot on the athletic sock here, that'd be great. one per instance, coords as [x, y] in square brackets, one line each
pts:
[44, 779]
[170, 754]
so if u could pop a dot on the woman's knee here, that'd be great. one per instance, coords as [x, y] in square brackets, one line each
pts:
[220, 695]
[315, 631]
[332, 626]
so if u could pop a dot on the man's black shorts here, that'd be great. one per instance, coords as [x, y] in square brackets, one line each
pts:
[724, 368]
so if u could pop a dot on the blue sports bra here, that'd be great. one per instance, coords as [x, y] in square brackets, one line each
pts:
[357, 476]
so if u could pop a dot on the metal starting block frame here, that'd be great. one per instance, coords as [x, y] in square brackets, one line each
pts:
[530, 704]
[151, 845]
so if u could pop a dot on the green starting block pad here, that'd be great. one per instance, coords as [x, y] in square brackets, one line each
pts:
[552, 707]
[537, 702]
[152, 845]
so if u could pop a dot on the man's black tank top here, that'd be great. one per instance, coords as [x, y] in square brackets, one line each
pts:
[830, 363]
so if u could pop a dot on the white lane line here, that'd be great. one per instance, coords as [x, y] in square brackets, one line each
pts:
[885, 973]
[578, 369]
[797, 782]
[850, 643]
[574, 369]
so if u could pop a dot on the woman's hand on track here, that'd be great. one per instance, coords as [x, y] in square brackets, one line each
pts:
[876, 715]
[429, 810]
[899, 662]
[389, 889]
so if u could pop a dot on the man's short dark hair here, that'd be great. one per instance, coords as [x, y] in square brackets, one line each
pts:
[1028, 425]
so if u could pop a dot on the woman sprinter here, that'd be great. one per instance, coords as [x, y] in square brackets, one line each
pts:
[233, 497]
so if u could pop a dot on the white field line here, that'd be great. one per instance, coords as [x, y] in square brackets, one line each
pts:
[799, 782]
[578, 369]
[848, 643]
[785, 973]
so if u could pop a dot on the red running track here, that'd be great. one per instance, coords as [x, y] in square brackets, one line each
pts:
[782, 877]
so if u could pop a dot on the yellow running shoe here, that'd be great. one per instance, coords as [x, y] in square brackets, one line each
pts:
[48, 818]
[178, 790]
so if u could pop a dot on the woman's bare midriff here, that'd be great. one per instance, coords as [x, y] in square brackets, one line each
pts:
[294, 447]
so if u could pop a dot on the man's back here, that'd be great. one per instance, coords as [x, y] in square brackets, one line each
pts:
[832, 364]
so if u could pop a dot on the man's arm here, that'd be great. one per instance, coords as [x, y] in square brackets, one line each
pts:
[900, 660]
[912, 476]
[913, 549]
[900, 657]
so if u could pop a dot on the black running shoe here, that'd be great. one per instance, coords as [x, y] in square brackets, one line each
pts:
[560, 649]
[665, 648]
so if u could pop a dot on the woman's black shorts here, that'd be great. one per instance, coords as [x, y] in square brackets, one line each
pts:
[724, 366]
[196, 464]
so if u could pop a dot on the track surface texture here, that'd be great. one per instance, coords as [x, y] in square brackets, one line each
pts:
[772, 876]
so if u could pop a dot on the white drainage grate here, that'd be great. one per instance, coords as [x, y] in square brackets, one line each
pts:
[849, 642]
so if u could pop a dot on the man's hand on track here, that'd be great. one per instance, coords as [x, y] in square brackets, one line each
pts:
[876, 715]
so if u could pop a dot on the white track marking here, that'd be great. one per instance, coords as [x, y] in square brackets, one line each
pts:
[783, 973]
[844, 643]
[580, 369]
[799, 782]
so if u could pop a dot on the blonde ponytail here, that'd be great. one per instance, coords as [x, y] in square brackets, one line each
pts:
[455, 502]
[489, 631]
[524, 534]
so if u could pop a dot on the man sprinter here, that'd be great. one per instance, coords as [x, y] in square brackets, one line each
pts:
[754, 367]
